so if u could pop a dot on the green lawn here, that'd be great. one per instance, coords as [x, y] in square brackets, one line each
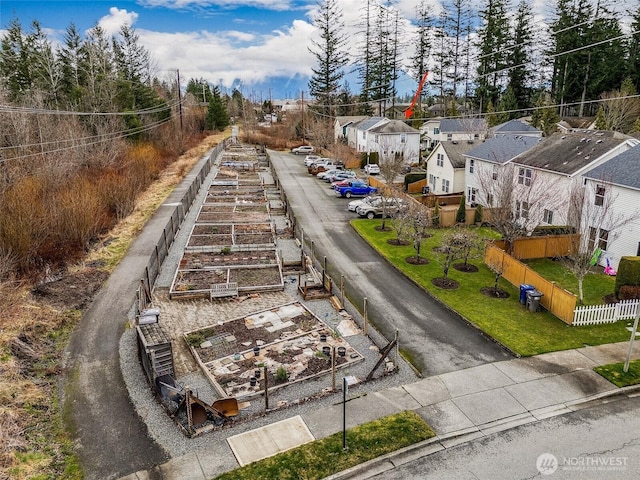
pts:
[506, 320]
[325, 457]
[615, 374]
[595, 286]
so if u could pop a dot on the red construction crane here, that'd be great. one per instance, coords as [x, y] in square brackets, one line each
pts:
[409, 111]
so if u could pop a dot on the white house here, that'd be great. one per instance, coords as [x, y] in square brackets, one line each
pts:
[484, 164]
[553, 168]
[462, 129]
[388, 137]
[341, 123]
[446, 167]
[618, 234]
[430, 132]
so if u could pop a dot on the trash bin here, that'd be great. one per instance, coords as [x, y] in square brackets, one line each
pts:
[524, 288]
[533, 300]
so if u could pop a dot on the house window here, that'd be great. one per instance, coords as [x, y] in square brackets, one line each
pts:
[377, 138]
[471, 165]
[364, 134]
[445, 185]
[436, 130]
[522, 209]
[440, 159]
[403, 138]
[490, 199]
[432, 181]
[449, 136]
[476, 136]
[471, 194]
[547, 216]
[598, 237]
[524, 176]
[599, 199]
[494, 175]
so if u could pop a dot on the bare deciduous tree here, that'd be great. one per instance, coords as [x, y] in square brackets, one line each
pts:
[418, 220]
[592, 216]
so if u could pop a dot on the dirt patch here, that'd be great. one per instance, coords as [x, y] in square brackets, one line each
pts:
[465, 267]
[413, 260]
[380, 229]
[398, 242]
[74, 291]
[445, 283]
[494, 292]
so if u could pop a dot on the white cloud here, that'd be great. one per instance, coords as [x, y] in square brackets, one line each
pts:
[265, 4]
[111, 23]
[217, 57]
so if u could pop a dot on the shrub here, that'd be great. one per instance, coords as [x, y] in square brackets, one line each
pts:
[628, 273]
[373, 158]
[477, 217]
[629, 292]
[412, 178]
[282, 374]
[461, 214]
[553, 230]
[436, 216]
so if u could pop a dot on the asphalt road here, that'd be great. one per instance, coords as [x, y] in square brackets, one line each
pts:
[597, 443]
[438, 339]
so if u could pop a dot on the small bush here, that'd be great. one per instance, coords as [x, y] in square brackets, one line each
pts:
[628, 273]
[629, 292]
[553, 230]
[477, 216]
[282, 374]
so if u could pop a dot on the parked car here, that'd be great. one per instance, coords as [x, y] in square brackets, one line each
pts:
[377, 207]
[354, 188]
[303, 150]
[353, 204]
[324, 165]
[372, 168]
[309, 159]
[326, 173]
[339, 175]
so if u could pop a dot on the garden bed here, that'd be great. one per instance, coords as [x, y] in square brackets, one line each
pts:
[288, 342]
[197, 283]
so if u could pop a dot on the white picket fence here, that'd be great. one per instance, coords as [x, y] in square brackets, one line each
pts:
[599, 314]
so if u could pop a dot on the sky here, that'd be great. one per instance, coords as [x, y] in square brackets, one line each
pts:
[260, 47]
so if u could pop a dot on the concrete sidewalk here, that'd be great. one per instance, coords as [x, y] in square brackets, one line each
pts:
[460, 406]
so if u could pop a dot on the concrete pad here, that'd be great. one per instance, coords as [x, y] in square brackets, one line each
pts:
[398, 398]
[348, 328]
[558, 389]
[327, 421]
[428, 391]
[605, 354]
[216, 458]
[521, 370]
[269, 440]
[445, 417]
[489, 406]
[562, 362]
[184, 467]
[475, 379]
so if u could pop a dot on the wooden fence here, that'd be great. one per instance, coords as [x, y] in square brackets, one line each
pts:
[611, 313]
[557, 300]
[526, 248]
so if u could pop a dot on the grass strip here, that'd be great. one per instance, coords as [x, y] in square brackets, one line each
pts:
[615, 374]
[321, 458]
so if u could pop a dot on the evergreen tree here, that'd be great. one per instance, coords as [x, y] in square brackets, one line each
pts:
[633, 59]
[492, 37]
[461, 214]
[16, 61]
[217, 118]
[519, 57]
[330, 56]
[508, 108]
[71, 59]
[424, 24]
[600, 122]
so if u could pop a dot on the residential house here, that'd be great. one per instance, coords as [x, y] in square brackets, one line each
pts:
[462, 129]
[396, 112]
[388, 137]
[430, 133]
[446, 167]
[548, 172]
[618, 234]
[340, 125]
[515, 127]
[484, 164]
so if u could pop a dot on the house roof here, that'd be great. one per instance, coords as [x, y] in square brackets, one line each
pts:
[515, 126]
[462, 125]
[368, 122]
[342, 121]
[394, 126]
[623, 169]
[456, 150]
[569, 152]
[503, 148]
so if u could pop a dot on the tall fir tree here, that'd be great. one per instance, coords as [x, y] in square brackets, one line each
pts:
[217, 117]
[519, 57]
[330, 55]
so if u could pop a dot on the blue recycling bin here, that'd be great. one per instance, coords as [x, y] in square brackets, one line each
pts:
[524, 288]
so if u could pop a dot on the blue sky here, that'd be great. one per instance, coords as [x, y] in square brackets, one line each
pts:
[257, 46]
[254, 44]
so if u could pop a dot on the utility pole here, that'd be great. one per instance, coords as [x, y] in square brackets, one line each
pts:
[179, 98]
[302, 96]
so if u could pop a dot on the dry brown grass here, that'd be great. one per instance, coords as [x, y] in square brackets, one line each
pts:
[33, 333]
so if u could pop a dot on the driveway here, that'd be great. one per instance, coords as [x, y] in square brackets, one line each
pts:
[439, 340]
